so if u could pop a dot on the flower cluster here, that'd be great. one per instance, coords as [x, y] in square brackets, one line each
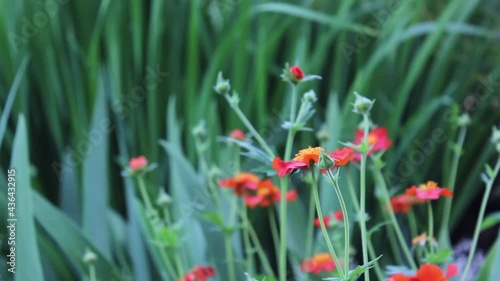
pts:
[310, 156]
[256, 192]
[418, 195]
[427, 272]
[318, 263]
[199, 273]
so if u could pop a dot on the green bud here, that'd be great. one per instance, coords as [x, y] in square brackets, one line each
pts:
[323, 134]
[200, 130]
[310, 96]
[163, 199]
[222, 86]
[362, 105]
[463, 120]
[89, 257]
[325, 161]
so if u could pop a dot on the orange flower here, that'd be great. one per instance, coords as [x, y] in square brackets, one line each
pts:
[318, 263]
[422, 239]
[237, 134]
[429, 191]
[199, 273]
[138, 163]
[267, 194]
[378, 138]
[308, 155]
[302, 159]
[242, 183]
[297, 72]
[427, 272]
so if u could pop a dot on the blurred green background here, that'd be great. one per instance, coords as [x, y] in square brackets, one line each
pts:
[101, 81]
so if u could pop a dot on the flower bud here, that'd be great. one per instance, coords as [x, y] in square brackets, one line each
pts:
[237, 134]
[222, 85]
[89, 257]
[297, 72]
[138, 163]
[200, 130]
[163, 199]
[362, 105]
[310, 96]
[463, 120]
[325, 161]
[323, 134]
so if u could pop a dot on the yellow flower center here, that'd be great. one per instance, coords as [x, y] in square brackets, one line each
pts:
[372, 139]
[428, 185]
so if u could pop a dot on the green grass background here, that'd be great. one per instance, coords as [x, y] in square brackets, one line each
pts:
[89, 84]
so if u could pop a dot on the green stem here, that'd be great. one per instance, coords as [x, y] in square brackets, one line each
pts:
[92, 273]
[355, 202]
[169, 265]
[430, 218]
[387, 202]
[371, 251]
[362, 210]
[412, 222]
[250, 127]
[230, 258]
[310, 226]
[323, 227]
[144, 193]
[444, 236]
[246, 240]
[178, 263]
[274, 230]
[484, 202]
[204, 169]
[345, 218]
[260, 251]
[284, 188]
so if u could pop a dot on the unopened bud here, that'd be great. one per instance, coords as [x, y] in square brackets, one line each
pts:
[325, 161]
[222, 85]
[200, 131]
[362, 105]
[495, 136]
[310, 96]
[323, 135]
[89, 257]
[463, 120]
[163, 199]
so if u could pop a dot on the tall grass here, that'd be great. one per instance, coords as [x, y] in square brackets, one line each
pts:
[93, 80]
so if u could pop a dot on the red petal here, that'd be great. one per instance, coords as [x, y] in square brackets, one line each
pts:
[284, 168]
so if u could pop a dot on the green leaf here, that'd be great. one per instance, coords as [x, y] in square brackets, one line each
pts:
[440, 256]
[355, 273]
[95, 177]
[490, 220]
[71, 240]
[27, 257]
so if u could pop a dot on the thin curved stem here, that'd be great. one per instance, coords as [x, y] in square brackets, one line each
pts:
[345, 218]
[444, 235]
[484, 202]
[310, 226]
[284, 188]
[323, 227]
[362, 211]
[430, 218]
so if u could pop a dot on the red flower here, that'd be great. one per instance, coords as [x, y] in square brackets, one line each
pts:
[267, 194]
[403, 203]
[326, 221]
[337, 215]
[242, 183]
[302, 159]
[341, 156]
[429, 191]
[297, 72]
[138, 163]
[199, 273]
[428, 272]
[318, 263]
[237, 134]
[378, 138]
